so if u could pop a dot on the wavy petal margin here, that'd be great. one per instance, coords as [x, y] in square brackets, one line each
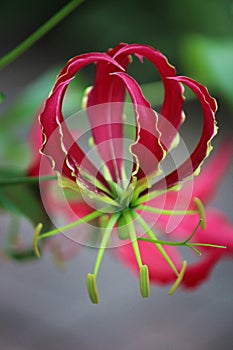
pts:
[107, 122]
[68, 157]
[203, 148]
[147, 148]
[173, 92]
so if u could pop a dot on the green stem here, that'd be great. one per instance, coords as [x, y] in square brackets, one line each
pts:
[39, 33]
[21, 180]
[166, 212]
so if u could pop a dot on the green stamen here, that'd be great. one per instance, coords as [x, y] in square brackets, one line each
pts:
[37, 236]
[92, 288]
[105, 240]
[166, 212]
[194, 231]
[201, 211]
[154, 239]
[132, 234]
[151, 195]
[91, 278]
[179, 279]
[144, 274]
[144, 281]
[183, 243]
[35, 239]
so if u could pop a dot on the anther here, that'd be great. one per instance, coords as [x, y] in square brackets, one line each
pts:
[179, 279]
[144, 281]
[92, 288]
[35, 239]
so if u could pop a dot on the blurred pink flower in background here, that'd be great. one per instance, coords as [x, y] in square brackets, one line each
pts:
[219, 230]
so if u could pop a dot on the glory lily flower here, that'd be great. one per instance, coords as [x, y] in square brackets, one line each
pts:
[115, 190]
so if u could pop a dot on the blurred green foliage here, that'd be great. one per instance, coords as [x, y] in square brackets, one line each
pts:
[98, 25]
[17, 120]
[172, 26]
[211, 62]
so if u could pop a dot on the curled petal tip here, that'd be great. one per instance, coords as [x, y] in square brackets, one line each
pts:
[35, 239]
[144, 281]
[92, 288]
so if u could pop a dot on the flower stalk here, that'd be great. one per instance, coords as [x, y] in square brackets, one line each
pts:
[39, 33]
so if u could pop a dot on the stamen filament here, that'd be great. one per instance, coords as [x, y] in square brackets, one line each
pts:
[185, 242]
[194, 231]
[201, 211]
[132, 234]
[151, 195]
[143, 269]
[153, 237]
[89, 217]
[91, 277]
[105, 240]
[209, 245]
[166, 212]
[37, 236]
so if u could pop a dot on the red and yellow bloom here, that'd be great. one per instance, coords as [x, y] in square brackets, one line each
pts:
[116, 189]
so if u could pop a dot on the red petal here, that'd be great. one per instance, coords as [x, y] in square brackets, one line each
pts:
[54, 128]
[173, 100]
[209, 130]
[106, 122]
[147, 149]
[35, 143]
